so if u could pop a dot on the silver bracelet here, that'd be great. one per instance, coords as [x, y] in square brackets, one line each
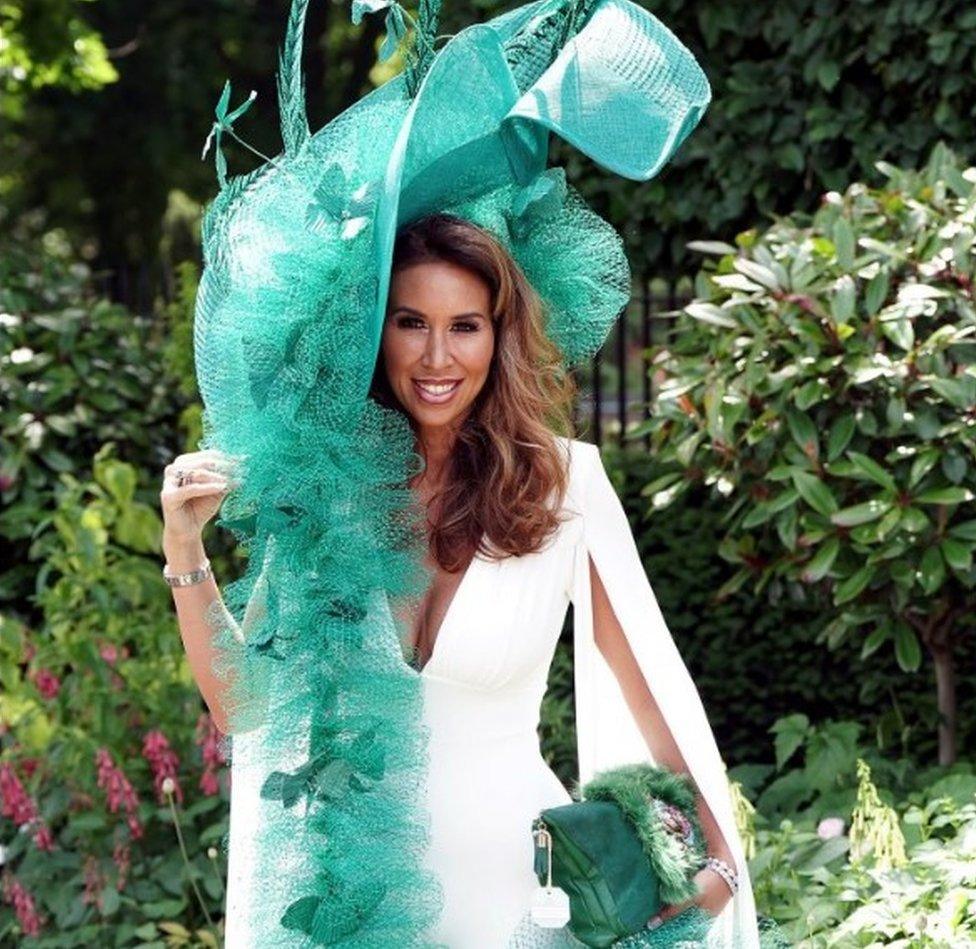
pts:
[188, 579]
[725, 872]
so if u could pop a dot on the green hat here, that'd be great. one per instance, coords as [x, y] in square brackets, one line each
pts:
[326, 713]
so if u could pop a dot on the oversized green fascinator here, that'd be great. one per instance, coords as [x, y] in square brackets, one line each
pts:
[328, 827]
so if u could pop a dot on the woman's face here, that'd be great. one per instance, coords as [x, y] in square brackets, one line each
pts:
[438, 340]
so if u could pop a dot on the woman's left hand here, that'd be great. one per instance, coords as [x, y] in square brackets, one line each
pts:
[713, 895]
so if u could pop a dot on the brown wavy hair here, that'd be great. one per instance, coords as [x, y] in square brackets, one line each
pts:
[505, 463]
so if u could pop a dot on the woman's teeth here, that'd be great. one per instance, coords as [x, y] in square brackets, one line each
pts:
[438, 393]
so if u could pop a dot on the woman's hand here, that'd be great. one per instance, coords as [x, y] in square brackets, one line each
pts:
[207, 477]
[713, 895]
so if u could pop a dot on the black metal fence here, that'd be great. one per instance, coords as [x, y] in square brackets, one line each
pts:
[616, 387]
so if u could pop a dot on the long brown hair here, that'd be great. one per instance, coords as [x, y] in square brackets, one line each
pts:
[505, 464]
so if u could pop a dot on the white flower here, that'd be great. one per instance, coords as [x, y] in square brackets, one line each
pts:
[830, 827]
[24, 354]
[169, 786]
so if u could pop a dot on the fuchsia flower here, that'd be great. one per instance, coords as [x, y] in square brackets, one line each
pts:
[164, 763]
[109, 652]
[20, 807]
[23, 904]
[94, 882]
[17, 803]
[48, 684]
[118, 791]
[208, 739]
[43, 838]
[123, 859]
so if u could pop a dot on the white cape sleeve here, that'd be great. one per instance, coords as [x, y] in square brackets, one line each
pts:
[607, 734]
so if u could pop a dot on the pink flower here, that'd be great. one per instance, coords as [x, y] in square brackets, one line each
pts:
[164, 763]
[47, 683]
[94, 882]
[20, 807]
[23, 904]
[109, 652]
[830, 827]
[17, 803]
[123, 860]
[118, 791]
[43, 838]
[208, 738]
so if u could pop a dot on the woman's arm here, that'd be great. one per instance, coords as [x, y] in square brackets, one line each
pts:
[193, 604]
[194, 486]
[612, 643]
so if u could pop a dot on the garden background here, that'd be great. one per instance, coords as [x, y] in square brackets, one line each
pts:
[797, 389]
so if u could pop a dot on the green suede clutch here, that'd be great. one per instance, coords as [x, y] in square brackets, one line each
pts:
[632, 843]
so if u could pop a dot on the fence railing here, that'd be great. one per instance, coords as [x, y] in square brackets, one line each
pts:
[616, 386]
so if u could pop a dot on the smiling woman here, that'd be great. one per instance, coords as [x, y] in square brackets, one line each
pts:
[464, 357]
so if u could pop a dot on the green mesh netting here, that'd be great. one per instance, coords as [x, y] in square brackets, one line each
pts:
[325, 711]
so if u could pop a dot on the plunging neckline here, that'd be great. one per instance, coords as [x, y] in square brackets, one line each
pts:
[445, 620]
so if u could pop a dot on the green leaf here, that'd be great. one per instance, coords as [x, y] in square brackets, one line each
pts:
[804, 432]
[843, 299]
[914, 521]
[931, 570]
[786, 527]
[759, 514]
[712, 314]
[965, 530]
[869, 467]
[954, 465]
[844, 243]
[875, 638]
[841, 431]
[790, 731]
[876, 292]
[908, 652]
[812, 392]
[900, 332]
[957, 553]
[854, 584]
[814, 492]
[861, 513]
[948, 495]
[922, 465]
[819, 565]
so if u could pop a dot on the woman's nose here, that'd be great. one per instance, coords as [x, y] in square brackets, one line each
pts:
[437, 352]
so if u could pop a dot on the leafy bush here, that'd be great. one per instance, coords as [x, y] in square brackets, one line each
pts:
[103, 742]
[824, 381]
[853, 864]
[78, 371]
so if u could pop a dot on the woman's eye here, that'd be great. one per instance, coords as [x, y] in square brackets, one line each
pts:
[411, 322]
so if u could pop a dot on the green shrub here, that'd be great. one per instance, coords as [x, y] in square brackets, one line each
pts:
[824, 383]
[99, 709]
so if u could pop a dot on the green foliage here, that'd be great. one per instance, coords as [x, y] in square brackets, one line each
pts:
[802, 863]
[103, 668]
[824, 382]
[48, 45]
[78, 371]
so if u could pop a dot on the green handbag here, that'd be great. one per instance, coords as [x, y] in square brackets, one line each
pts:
[631, 844]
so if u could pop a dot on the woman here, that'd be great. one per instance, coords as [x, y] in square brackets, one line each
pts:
[521, 521]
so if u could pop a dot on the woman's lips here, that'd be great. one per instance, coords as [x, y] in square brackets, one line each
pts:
[435, 398]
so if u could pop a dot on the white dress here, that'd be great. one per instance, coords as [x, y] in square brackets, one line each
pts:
[483, 687]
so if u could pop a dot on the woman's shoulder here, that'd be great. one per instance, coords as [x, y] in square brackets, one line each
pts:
[581, 457]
